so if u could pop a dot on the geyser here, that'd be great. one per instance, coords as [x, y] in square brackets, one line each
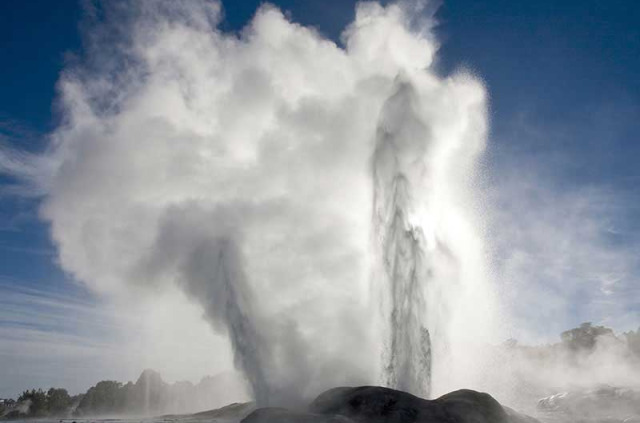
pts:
[426, 246]
[245, 169]
[402, 140]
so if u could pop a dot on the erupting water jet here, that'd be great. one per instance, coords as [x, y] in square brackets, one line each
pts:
[245, 171]
[398, 167]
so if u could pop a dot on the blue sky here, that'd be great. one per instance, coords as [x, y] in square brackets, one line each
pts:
[565, 123]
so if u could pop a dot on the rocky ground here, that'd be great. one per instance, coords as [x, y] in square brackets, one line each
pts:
[605, 404]
[372, 404]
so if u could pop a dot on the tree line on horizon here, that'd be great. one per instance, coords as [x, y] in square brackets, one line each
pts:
[585, 338]
[150, 394]
[36, 403]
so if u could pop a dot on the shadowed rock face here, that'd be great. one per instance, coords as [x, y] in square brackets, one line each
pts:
[372, 404]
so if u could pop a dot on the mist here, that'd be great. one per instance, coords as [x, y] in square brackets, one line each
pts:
[237, 167]
[320, 207]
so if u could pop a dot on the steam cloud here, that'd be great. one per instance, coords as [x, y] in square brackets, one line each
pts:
[431, 256]
[246, 169]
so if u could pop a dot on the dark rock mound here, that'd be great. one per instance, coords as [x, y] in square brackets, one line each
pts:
[373, 404]
[377, 405]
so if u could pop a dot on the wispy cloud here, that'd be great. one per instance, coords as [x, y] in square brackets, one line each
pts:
[42, 330]
[566, 247]
[70, 339]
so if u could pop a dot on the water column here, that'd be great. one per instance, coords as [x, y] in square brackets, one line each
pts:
[398, 169]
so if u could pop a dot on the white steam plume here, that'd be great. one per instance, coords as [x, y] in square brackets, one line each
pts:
[239, 168]
[402, 139]
[434, 290]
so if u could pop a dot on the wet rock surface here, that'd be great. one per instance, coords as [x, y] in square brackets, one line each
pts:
[373, 404]
[605, 404]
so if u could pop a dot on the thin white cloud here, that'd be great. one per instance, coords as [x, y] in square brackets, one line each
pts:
[73, 341]
[564, 248]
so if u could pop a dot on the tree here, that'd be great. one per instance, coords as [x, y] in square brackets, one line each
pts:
[37, 401]
[633, 341]
[58, 401]
[104, 398]
[584, 337]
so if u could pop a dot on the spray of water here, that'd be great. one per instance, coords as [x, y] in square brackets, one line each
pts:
[420, 235]
[211, 272]
[245, 169]
[397, 164]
